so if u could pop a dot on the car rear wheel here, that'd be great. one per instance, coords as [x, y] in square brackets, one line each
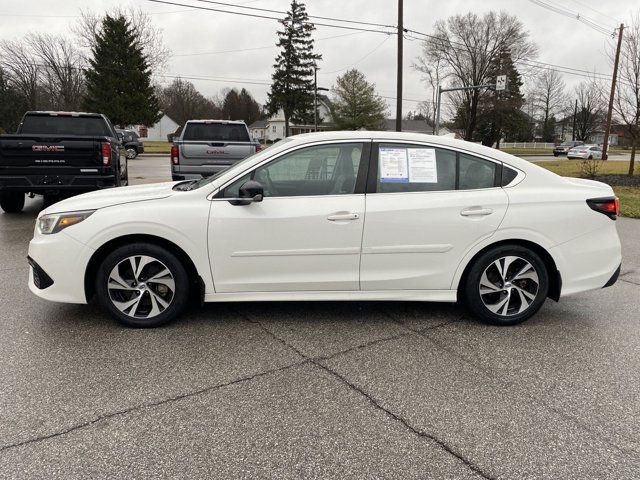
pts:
[142, 285]
[12, 202]
[506, 285]
[131, 153]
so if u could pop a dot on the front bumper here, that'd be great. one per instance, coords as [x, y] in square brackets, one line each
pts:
[64, 261]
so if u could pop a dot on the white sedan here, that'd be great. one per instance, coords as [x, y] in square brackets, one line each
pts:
[336, 216]
[585, 152]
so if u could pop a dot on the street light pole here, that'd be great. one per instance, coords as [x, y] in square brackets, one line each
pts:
[439, 93]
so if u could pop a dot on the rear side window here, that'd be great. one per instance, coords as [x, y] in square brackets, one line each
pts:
[508, 175]
[64, 125]
[224, 132]
[414, 168]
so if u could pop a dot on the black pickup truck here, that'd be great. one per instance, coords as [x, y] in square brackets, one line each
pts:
[59, 154]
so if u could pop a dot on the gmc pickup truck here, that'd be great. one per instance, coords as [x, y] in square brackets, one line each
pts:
[206, 147]
[59, 154]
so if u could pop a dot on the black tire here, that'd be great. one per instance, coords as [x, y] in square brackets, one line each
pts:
[48, 200]
[555, 154]
[12, 202]
[131, 153]
[590, 157]
[146, 289]
[470, 287]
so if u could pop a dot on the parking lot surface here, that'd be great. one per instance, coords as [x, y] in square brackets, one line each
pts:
[317, 390]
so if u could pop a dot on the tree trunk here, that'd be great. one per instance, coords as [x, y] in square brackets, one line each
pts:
[633, 157]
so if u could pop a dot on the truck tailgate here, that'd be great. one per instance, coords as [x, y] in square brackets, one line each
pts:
[214, 153]
[59, 152]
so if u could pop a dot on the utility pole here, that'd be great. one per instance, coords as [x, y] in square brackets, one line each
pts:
[575, 114]
[399, 80]
[607, 126]
[315, 98]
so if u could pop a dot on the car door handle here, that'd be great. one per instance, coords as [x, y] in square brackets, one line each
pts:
[468, 212]
[343, 216]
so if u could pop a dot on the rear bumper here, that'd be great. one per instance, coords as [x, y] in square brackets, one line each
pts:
[55, 183]
[187, 172]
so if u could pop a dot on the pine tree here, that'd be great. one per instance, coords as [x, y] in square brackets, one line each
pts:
[356, 104]
[119, 77]
[292, 87]
[499, 111]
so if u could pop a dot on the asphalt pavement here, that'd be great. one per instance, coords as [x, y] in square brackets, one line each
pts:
[317, 390]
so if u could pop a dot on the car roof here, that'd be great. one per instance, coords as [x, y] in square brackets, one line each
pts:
[234, 122]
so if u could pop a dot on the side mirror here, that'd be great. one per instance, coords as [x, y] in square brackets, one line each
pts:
[250, 191]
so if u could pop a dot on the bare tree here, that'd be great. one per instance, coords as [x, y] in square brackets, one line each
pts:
[149, 35]
[61, 64]
[591, 107]
[627, 101]
[467, 45]
[22, 72]
[432, 74]
[548, 96]
[182, 101]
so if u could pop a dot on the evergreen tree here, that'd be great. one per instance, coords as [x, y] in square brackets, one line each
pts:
[499, 111]
[356, 104]
[292, 87]
[119, 77]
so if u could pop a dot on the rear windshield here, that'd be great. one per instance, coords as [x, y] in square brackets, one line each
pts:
[54, 125]
[216, 131]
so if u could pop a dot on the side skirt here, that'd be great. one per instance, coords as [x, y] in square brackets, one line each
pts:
[389, 295]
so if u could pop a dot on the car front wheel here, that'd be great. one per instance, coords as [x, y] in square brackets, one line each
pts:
[506, 285]
[142, 285]
[131, 153]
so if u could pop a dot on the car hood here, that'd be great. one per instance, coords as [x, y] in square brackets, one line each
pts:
[113, 196]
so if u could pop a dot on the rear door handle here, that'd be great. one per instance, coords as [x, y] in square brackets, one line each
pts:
[468, 212]
[336, 217]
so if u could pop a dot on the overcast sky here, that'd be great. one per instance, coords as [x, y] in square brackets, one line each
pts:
[561, 40]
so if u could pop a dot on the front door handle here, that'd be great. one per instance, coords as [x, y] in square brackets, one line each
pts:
[469, 212]
[336, 217]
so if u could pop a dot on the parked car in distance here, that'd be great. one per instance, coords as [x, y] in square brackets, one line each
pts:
[131, 142]
[564, 147]
[586, 152]
[57, 154]
[336, 216]
[206, 147]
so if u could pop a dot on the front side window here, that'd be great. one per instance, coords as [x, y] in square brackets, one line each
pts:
[317, 170]
[416, 168]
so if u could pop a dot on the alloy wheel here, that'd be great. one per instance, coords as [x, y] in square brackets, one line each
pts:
[509, 285]
[141, 286]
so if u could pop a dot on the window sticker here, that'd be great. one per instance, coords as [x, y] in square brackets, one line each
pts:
[422, 165]
[393, 165]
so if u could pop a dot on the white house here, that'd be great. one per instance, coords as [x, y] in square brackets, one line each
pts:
[273, 128]
[157, 131]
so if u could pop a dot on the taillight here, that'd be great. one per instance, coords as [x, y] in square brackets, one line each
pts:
[258, 148]
[610, 206]
[106, 153]
[174, 155]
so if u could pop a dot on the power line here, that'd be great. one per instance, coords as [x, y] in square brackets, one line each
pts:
[597, 11]
[575, 15]
[266, 17]
[257, 48]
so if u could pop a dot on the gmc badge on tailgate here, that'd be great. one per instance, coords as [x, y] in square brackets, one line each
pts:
[47, 148]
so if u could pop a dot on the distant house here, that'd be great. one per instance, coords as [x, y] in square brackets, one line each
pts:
[272, 129]
[564, 132]
[159, 130]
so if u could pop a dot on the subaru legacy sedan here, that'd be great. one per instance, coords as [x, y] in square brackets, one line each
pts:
[335, 216]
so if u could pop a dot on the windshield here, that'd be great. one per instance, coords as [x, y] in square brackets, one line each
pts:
[237, 166]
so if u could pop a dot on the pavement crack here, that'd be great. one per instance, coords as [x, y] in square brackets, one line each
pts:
[318, 363]
[145, 406]
[443, 445]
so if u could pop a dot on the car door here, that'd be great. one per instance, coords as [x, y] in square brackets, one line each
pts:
[305, 234]
[425, 208]
[596, 152]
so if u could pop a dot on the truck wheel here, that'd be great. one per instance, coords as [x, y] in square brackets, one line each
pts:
[12, 202]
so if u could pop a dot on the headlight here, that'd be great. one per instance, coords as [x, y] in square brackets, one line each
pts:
[55, 222]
